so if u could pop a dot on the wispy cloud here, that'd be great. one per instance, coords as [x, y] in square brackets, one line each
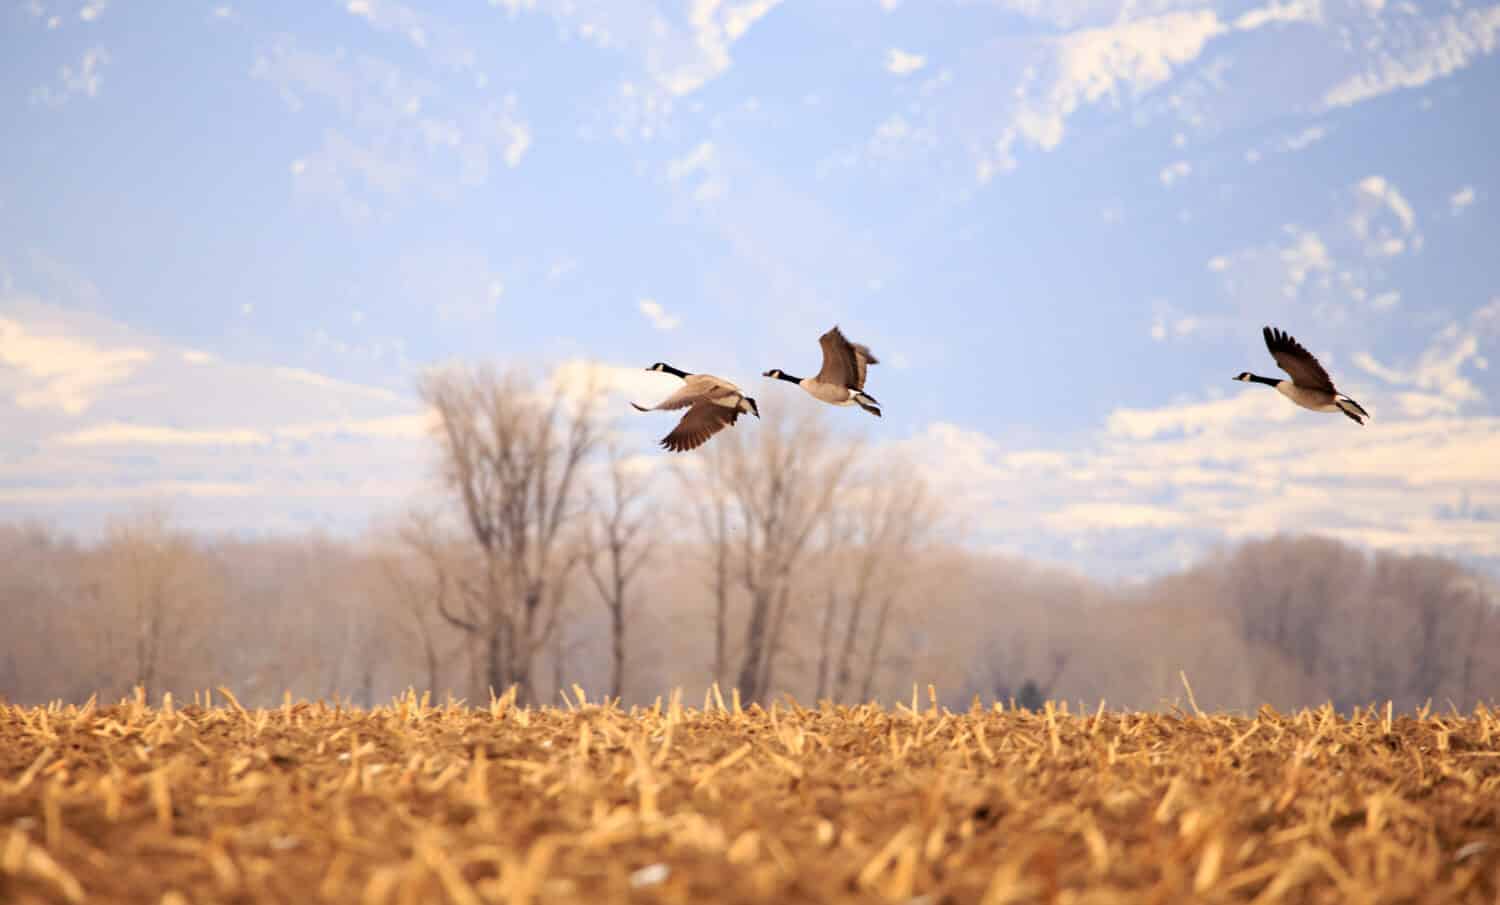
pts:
[670, 55]
[1414, 58]
[106, 415]
[1286, 144]
[394, 131]
[1278, 12]
[658, 315]
[1175, 171]
[702, 166]
[1376, 196]
[1330, 270]
[1461, 199]
[900, 62]
[50, 369]
[117, 434]
[443, 43]
[81, 79]
[1089, 66]
[714, 27]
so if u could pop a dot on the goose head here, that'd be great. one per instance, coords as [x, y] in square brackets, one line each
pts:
[747, 404]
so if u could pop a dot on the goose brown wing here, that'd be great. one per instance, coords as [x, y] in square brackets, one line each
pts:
[841, 365]
[862, 359]
[702, 421]
[1299, 363]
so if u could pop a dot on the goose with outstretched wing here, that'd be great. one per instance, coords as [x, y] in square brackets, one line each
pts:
[1309, 386]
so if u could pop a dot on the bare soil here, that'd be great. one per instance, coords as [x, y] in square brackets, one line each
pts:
[414, 803]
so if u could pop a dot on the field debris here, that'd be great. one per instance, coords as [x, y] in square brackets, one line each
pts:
[215, 802]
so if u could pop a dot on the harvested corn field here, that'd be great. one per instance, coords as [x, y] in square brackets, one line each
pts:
[587, 803]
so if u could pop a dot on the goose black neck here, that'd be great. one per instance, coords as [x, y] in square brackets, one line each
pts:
[674, 371]
[1270, 382]
[788, 378]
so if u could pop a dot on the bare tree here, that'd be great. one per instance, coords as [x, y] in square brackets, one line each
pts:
[837, 530]
[618, 538]
[776, 487]
[156, 591]
[511, 457]
[894, 514]
[418, 577]
[714, 525]
[40, 653]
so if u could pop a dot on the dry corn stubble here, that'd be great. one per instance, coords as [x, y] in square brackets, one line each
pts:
[417, 803]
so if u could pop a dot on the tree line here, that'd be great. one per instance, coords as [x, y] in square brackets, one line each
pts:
[788, 559]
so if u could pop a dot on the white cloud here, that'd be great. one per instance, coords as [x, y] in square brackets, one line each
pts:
[703, 163]
[1380, 188]
[74, 80]
[1295, 11]
[682, 61]
[1439, 49]
[92, 10]
[50, 369]
[658, 315]
[517, 140]
[1092, 65]
[102, 415]
[394, 130]
[897, 138]
[408, 426]
[1461, 199]
[1068, 15]
[117, 434]
[1334, 273]
[1168, 323]
[1303, 139]
[1307, 255]
[899, 62]
[49, 497]
[1376, 195]
[1085, 516]
[1175, 171]
[443, 44]
[324, 382]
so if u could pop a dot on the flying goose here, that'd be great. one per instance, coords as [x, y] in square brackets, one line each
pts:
[1310, 386]
[842, 379]
[712, 404]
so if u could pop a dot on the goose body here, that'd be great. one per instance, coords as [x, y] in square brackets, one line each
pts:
[1309, 386]
[841, 381]
[712, 404]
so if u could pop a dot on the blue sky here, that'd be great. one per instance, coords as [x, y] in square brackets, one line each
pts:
[232, 234]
